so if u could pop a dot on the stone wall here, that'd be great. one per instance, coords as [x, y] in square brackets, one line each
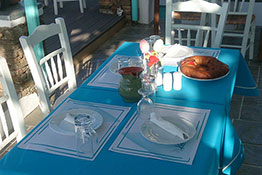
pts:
[11, 50]
[110, 7]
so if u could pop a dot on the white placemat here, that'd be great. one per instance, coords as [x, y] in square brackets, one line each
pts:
[106, 77]
[45, 139]
[130, 140]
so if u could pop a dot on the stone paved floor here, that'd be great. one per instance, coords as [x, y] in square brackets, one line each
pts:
[246, 112]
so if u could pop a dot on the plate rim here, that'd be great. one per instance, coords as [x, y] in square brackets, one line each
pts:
[198, 79]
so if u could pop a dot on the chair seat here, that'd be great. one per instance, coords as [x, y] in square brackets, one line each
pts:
[238, 19]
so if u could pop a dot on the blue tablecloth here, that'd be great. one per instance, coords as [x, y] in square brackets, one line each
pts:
[207, 161]
[219, 150]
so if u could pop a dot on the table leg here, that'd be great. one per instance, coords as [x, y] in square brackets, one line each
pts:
[260, 47]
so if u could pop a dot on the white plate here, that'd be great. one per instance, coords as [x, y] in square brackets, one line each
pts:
[66, 126]
[198, 79]
[175, 54]
[158, 135]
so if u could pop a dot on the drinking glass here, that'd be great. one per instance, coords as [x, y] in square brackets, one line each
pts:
[122, 62]
[85, 135]
[135, 61]
[145, 106]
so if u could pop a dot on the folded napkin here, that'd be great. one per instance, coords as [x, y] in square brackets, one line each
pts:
[174, 54]
[168, 126]
[69, 118]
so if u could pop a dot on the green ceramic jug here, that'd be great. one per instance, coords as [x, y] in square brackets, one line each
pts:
[130, 83]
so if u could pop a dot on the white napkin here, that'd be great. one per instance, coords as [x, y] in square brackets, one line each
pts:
[69, 118]
[174, 54]
[172, 51]
[167, 126]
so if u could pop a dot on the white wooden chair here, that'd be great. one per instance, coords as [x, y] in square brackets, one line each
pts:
[54, 70]
[192, 34]
[11, 117]
[82, 5]
[240, 24]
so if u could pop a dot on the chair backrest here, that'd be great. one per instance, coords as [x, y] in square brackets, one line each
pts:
[241, 13]
[11, 117]
[192, 34]
[238, 6]
[55, 69]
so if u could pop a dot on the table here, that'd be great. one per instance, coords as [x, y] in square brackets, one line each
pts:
[239, 81]
[219, 145]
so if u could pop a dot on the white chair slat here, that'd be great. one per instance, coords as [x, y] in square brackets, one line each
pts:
[49, 74]
[3, 121]
[189, 37]
[45, 78]
[54, 69]
[59, 65]
[50, 55]
[197, 43]
[241, 5]
[206, 38]
[61, 82]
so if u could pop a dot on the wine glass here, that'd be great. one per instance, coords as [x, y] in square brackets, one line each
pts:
[145, 106]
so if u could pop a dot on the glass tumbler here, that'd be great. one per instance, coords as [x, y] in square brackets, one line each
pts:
[85, 135]
[145, 106]
[122, 62]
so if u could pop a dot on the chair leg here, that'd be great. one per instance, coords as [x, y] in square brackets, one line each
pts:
[84, 3]
[55, 7]
[81, 6]
[252, 40]
[46, 2]
[61, 4]
[244, 46]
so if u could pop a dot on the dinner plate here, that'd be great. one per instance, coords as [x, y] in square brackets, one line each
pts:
[156, 134]
[63, 123]
[198, 79]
